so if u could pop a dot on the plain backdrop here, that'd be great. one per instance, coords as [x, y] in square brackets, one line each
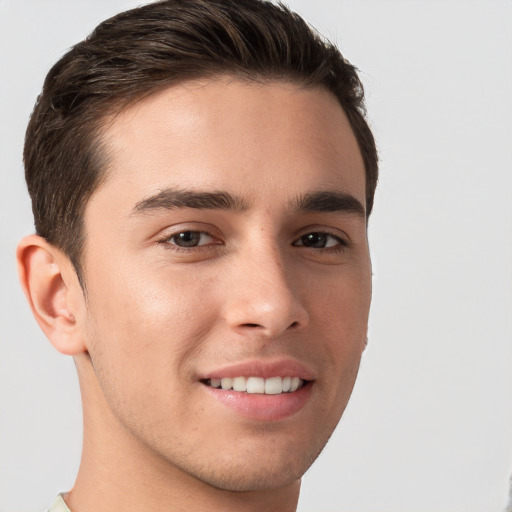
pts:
[429, 425]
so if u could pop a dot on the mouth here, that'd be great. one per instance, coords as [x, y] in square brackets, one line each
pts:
[260, 390]
[257, 385]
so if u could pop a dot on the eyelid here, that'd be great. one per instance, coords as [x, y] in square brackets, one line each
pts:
[169, 232]
[200, 233]
[341, 242]
[327, 230]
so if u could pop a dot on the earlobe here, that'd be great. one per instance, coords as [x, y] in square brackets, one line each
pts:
[46, 276]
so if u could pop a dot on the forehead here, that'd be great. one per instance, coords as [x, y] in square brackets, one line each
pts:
[255, 139]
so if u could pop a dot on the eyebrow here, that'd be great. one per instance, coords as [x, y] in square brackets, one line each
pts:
[330, 201]
[173, 198]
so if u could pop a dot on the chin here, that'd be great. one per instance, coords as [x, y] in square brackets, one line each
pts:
[257, 470]
[246, 479]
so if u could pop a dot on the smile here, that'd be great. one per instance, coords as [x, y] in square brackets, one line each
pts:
[261, 390]
[260, 385]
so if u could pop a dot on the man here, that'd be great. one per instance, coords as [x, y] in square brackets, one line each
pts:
[201, 175]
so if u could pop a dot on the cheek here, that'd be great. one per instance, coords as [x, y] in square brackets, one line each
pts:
[343, 304]
[145, 299]
[343, 315]
[143, 336]
[146, 321]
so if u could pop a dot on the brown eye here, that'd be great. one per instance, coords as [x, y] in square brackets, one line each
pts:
[318, 240]
[190, 239]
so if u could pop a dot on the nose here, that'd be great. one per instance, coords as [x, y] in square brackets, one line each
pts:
[264, 298]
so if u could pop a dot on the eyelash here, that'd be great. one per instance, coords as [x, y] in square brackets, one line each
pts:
[341, 244]
[166, 241]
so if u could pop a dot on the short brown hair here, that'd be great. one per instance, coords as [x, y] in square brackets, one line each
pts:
[145, 49]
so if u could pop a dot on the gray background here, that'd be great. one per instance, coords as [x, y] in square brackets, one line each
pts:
[429, 426]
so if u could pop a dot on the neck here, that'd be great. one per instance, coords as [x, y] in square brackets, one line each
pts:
[118, 471]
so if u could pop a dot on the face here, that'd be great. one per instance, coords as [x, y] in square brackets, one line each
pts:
[228, 278]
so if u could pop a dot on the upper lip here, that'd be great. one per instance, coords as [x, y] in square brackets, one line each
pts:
[262, 368]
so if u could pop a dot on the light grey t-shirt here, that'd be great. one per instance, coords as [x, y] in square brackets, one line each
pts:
[59, 505]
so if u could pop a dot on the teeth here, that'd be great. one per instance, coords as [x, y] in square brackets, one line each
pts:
[295, 384]
[270, 386]
[273, 386]
[240, 384]
[226, 383]
[255, 385]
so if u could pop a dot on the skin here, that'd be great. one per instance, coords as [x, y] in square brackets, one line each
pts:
[156, 317]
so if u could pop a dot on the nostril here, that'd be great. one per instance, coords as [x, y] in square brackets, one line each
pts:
[291, 326]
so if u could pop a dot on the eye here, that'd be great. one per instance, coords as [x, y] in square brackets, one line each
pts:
[190, 239]
[319, 240]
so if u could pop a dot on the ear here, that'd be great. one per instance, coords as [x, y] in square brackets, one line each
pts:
[52, 289]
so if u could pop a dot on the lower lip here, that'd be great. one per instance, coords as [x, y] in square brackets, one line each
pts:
[260, 407]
